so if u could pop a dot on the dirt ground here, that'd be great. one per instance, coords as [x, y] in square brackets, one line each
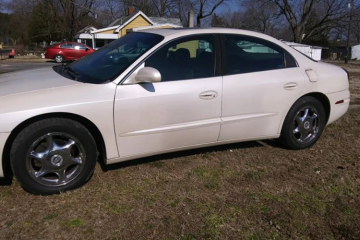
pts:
[26, 58]
[253, 190]
[21, 63]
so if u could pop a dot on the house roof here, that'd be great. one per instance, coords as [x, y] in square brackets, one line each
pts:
[119, 23]
[163, 21]
[293, 44]
[132, 17]
[87, 29]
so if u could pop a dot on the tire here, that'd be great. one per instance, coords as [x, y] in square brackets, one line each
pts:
[53, 155]
[59, 58]
[301, 130]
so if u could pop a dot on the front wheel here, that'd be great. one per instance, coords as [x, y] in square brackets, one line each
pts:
[303, 124]
[53, 156]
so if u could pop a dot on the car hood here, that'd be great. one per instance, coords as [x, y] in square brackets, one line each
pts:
[33, 80]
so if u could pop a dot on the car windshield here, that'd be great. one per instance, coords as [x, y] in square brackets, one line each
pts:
[110, 61]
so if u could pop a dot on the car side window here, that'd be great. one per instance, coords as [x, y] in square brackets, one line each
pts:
[66, 45]
[79, 47]
[186, 58]
[247, 54]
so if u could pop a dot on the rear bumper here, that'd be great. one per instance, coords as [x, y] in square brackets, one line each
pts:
[338, 110]
[3, 138]
[49, 55]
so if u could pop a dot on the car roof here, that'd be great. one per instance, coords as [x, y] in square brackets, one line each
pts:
[172, 33]
[72, 43]
[188, 31]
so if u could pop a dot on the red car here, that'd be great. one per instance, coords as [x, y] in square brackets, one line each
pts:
[67, 51]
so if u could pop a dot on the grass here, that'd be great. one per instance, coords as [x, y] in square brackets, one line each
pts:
[74, 223]
[250, 191]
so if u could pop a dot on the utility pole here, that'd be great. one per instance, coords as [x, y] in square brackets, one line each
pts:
[351, 6]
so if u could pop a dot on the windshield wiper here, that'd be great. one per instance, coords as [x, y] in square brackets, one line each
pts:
[72, 71]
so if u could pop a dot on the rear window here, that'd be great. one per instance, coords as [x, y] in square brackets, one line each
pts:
[79, 47]
[246, 54]
[66, 45]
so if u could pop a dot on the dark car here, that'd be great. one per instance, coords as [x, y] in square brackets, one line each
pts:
[67, 51]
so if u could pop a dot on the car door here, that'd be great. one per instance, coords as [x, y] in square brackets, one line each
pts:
[67, 51]
[79, 51]
[261, 79]
[182, 110]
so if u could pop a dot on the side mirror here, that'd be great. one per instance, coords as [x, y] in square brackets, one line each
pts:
[148, 74]
[87, 49]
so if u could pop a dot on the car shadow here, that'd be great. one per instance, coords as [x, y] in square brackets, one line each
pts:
[169, 156]
[53, 61]
[7, 180]
[273, 143]
[184, 153]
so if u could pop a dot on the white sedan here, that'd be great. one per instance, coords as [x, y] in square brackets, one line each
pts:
[161, 91]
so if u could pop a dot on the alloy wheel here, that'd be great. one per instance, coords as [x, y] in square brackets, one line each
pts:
[306, 125]
[55, 159]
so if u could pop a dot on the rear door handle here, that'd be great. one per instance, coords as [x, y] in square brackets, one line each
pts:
[208, 95]
[290, 86]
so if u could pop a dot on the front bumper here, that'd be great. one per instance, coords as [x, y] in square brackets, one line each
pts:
[3, 138]
[338, 110]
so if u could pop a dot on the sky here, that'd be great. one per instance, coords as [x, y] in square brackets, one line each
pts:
[231, 6]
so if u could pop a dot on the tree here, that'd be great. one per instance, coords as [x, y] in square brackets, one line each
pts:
[260, 17]
[356, 25]
[165, 8]
[19, 20]
[205, 8]
[218, 21]
[74, 15]
[113, 7]
[308, 18]
[146, 6]
[4, 26]
[43, 24]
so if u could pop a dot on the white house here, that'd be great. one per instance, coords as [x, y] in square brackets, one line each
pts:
[355, 52]
[311, 51]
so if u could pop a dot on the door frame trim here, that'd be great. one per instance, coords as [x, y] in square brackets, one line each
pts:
[218, 56]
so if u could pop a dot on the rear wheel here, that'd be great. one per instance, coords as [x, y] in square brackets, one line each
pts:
[303, 124]
[59, 58]
[53, 156]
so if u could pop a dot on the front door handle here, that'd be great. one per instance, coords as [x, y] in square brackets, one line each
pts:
[290, 86]
[207, 95]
